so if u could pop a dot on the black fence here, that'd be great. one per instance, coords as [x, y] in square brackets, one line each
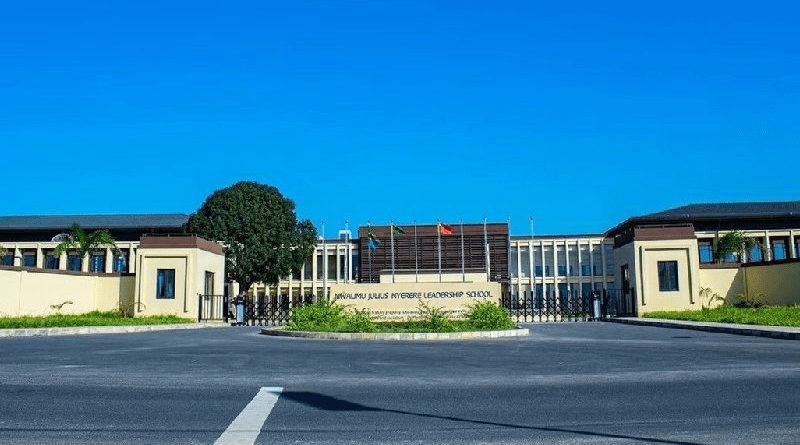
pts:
[261, 310]
[531, 306]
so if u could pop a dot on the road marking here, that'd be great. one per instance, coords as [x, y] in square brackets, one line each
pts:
[247, 425]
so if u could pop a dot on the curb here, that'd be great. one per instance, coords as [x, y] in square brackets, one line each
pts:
[384, 336]
[87, 330]
[781, 332]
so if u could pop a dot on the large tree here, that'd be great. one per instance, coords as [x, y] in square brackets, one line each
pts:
[258, 226]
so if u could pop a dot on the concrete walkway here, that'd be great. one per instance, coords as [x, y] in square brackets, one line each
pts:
[783, 332]
[84, 330]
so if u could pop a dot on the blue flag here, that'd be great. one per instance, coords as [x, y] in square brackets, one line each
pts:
[373, 243]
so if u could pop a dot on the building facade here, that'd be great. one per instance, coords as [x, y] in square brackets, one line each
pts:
[659, 261]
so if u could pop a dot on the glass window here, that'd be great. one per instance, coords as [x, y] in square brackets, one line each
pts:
[537, 260]
[50, 260]
[121, 261]
[667, 276]
[561, 256]
[755, 253]
[514, 265]
[320, 266]
[73, 262]
[308, 269]
[609, 252]
[342, 267]
[332, 267]
[525, 262]
[8, 258]
[539, 271]
[356, 264]
[165, 283]
[778, 250]
[586, 270]
[597, 259]
[797, 248]
[548, 261]
[97, 262]
[29, 258]
[706, 252]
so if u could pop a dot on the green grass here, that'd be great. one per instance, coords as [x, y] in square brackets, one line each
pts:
[770, 316]
[95, 318]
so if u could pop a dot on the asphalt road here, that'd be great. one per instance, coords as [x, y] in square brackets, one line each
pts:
[575, 383]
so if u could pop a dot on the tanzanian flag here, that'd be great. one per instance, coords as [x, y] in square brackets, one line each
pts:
[398, 230]
[372, 241]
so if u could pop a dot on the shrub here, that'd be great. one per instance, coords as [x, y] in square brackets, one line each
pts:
[358, 322]
[320, 316]
[489, 316]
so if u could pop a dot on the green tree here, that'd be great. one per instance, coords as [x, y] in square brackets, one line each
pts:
[732, 243]
[82, 241]
[264, 241]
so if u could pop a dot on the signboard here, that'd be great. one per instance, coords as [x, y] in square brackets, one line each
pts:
[401, 301]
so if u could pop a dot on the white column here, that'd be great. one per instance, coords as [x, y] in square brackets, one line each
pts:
[17, 256]
[591, 262]
[603, 259]
[132, 264]
[110, 261]
[768, 253]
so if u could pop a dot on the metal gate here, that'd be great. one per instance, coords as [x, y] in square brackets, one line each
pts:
[531, 306]
[261, 310]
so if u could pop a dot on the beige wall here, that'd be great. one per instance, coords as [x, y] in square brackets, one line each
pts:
[26, 292]
[396, 301]
[642, 258]
[726, 282]
[780, 282]
[190, 266]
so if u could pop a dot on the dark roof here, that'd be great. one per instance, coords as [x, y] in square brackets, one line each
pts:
[111, 222]
[716, 211]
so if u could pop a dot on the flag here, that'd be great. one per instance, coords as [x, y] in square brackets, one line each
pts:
[398, 230]
[444, 229]
[373, 243]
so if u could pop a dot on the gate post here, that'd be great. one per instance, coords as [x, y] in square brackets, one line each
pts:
[199, 308]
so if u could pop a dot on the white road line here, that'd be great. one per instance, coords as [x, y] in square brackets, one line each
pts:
[247, 425]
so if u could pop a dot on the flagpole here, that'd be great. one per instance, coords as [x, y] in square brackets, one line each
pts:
[391, 244]
[463, 274]
[324, 264]
[369, 249]
[347, 265]
[486, 247]
[439, 242]
[416, 255]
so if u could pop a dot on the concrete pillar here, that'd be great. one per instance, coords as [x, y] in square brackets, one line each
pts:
[17, 256]
[110, 261]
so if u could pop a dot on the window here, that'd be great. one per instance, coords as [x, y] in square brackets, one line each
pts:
[29, 258]
[50, 260]
[755, 253]
[121, 261]
[514, 269]
[562, 270]
[356, 262]
[538, 271]
[73, 262]
[165, 283]
[320, 266]
[8, 258]
[586, 270]
[97, 262]
[667, 276]
[548, 271]
[706, 252]
[308, 269]
[209, 283]
[332, 267]
[778, 250]
[797, 248]
[342, 267]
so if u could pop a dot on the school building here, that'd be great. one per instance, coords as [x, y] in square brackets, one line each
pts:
[658, 261]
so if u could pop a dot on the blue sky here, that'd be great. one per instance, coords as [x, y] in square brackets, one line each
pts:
[580, 114]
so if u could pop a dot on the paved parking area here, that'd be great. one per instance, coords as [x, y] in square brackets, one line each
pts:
[566, 383]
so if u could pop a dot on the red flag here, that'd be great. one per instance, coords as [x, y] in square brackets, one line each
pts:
[444, 229]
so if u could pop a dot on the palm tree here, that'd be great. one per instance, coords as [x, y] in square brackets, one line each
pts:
[82, 241]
